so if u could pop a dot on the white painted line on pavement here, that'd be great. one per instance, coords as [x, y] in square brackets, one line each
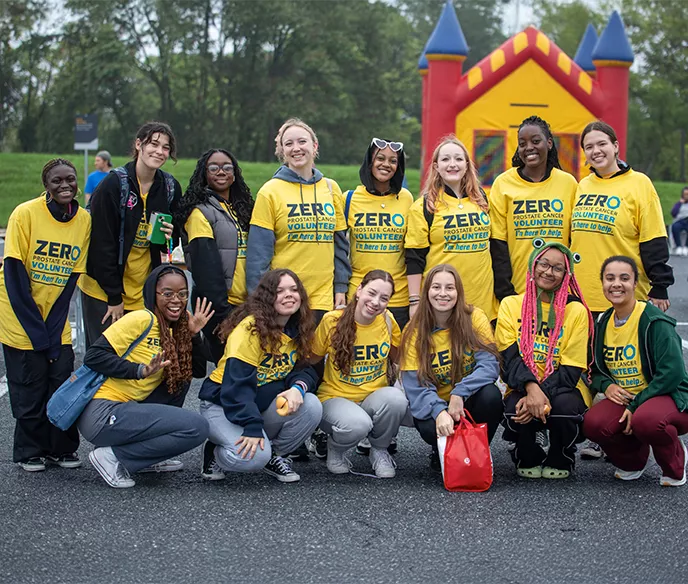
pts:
[685, 344]
[682, 324]
[3, 385]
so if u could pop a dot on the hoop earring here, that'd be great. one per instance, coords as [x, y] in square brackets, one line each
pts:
[49, 198]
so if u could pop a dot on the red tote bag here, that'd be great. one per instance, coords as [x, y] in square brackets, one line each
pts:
[466, 458]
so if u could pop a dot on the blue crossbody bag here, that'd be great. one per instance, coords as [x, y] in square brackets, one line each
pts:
[72, 397]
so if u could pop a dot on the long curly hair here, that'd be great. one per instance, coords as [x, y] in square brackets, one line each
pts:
[343, 337]
[175, 339]
[463, 336]
[469, 186]
[261, 305]
[198, 191]
[552, 153]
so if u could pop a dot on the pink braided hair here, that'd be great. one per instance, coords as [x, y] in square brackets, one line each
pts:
[529, 316]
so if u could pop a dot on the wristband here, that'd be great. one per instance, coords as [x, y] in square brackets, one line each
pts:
[299, 386]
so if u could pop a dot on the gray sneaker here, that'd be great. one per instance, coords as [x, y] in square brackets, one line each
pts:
[383, 464]
[337, 462]
[113, 472]
[170, 465]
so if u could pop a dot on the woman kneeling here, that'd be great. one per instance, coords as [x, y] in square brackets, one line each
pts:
[269, 340]
[359, 402]
[450, 361]
[639, 367]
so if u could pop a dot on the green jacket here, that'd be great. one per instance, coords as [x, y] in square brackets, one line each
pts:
[661, 358]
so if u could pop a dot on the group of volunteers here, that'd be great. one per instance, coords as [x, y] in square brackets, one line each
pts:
[334, 318]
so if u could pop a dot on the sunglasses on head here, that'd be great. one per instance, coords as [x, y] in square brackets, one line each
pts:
[382, 144]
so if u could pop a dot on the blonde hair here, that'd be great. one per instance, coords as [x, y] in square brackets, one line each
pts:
[470, 184]
[279, 150]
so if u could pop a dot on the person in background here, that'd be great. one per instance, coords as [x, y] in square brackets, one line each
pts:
[215, 213]
[639, 367]
[131, 420]
[450, 224]
[532, 200]
[103, 165]
[116, 271]
[45, 252]
[680, 224]
[376, 215]
[298, 222]
[450, 361]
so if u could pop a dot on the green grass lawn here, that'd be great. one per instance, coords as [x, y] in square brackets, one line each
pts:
[20, 178]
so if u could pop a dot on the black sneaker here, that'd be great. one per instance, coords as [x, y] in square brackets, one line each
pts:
[280, 468]
[317, 444]
[591, 451]
[300, 454]
[211, 471]
[64, 460]
[435, 465]
[34, 464]
[392, 448]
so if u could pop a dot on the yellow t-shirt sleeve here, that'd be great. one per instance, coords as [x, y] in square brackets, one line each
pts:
[650, 216]
[482, 326]
[497, 212]
[575, 353]
[127, 329]
[409, 355]
[263, 211]
[198, 226]
[244, 344]
[321, 340]
[506, 333]
[80, 265]
[337, 199]
[17, 236]
[417, 234]
[396, 331]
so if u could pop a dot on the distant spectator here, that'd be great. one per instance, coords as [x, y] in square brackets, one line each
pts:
[103, 164]
[680, 214]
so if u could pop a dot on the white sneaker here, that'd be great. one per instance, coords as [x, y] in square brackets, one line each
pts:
[164, 466]
[337, 462]
[668, 481]
[382, 462]
[113, 472]
[628, 475]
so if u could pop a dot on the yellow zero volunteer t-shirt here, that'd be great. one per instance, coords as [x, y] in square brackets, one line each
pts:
[459, 236]
[198, 226]
[613, 217]
[442, 357]
[304, 223]
[522, 211]
[371, 350]
[243, 344]
[571, 349]
[622, 352]
[377, 227]
[50, 251]
[136, 269]
[121, 335]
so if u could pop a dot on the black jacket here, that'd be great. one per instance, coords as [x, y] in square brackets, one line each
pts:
[102, 263]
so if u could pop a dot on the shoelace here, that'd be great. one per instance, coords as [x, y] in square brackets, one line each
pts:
[283, 464]
[122, 473]
[383, 457]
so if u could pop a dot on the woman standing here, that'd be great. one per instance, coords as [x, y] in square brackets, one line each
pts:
[450, 224]
[121, 255]
[359, 402]
[532, 200]
[215, 212]
[132, 428]
[45, 252]
[618, 212]
[298, 222]
[450, 361]
[265, 361]
[376, 216]
[544, 336]
[639, 367]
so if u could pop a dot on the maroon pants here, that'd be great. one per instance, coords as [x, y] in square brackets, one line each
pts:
[657, 423]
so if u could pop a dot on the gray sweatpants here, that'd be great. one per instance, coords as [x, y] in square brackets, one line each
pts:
[282, 433]
[377, 417]
[141, 434]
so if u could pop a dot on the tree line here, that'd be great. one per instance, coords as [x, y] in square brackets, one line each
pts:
[230, 71]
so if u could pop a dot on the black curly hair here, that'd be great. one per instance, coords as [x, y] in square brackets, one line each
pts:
[198, 192]
[552, 153]
[52, 164]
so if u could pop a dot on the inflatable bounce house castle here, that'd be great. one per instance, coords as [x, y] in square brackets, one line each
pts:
[527, 75]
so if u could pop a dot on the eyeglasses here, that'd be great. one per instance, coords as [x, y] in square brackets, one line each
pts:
[382, 144]
[215, 168]
[544, 266]
[168, 294]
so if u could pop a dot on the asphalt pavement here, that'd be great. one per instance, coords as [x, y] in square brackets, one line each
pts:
[69, 526]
